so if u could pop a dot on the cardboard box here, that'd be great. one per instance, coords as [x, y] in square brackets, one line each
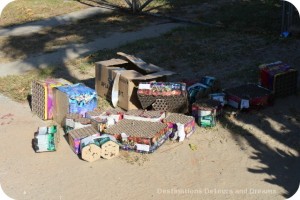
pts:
[205, 111]
[75, 136]
[174, 119]
[63, 106]
[248, 96]
[166, 96]
[139, 136]
[42, 96]
[279, 77]
[46, 139]
[132, 71]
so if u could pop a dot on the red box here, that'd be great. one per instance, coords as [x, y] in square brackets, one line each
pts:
[279, 77]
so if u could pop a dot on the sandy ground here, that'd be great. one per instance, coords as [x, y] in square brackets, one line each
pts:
[250, 156]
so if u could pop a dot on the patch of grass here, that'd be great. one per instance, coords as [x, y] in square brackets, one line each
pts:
[22, 11]
[253, 16]
[18, 87]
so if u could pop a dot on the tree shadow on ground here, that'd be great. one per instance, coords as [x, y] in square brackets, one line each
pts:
[275, 142]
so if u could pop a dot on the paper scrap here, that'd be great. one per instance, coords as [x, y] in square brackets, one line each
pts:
[181, 133]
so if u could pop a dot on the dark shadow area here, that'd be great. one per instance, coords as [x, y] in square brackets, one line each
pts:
[280, 164]
[65, 36]
[29, 97]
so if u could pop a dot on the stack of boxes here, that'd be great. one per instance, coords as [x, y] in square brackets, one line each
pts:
[130, 84]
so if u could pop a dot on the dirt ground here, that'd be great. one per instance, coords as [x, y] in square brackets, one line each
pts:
[248, 155]
[244, 156]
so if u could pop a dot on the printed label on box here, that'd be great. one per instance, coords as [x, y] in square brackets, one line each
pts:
[144, 86]
[142, 147]
[245, 103]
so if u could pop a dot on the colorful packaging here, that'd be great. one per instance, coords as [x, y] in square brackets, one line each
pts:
[42, 96]
[248, 96]
[46, 139]
[182, 126]
[166, 96]
[205, 112]
[140, 136]
[76, 98]
[201, 89]
[75, 136]
[279, 77]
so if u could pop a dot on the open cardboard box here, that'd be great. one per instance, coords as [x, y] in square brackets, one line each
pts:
[132, 71]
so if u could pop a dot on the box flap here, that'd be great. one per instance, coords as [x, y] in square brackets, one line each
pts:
[154, 75]
[131, 74]
[147, 67]
[112, 62]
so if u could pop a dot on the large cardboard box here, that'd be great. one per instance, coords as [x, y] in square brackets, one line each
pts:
[132, 70]
[69, 99]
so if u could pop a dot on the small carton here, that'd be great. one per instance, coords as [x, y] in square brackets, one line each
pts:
[117, 79]
[248, 96]
[75, 136]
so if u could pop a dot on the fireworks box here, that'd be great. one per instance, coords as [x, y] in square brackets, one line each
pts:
[42, 96]
[205, 112]
[144, 115]
[76, 135]
[114, 112]
[94, 147]
[212, 82]
[248, 96]
[181, 126]
[279, 77]
[140, 136]
[221, 97]
[166, 96]
[76, 98]
[203, 88]
[117, 79]
[75, 121]
[46, 139]
[102, 120]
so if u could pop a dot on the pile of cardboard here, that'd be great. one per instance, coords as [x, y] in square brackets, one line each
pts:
[149, 110]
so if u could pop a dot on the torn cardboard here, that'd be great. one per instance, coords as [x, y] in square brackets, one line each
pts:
[132, 71]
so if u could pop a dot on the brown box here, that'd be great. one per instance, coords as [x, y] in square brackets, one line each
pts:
[133, 70]
[62, 105]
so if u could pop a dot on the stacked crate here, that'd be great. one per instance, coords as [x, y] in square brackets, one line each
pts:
[279, 77]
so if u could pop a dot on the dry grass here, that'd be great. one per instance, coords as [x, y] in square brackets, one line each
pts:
[134, 158]
[18, 87]
[22, 11]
